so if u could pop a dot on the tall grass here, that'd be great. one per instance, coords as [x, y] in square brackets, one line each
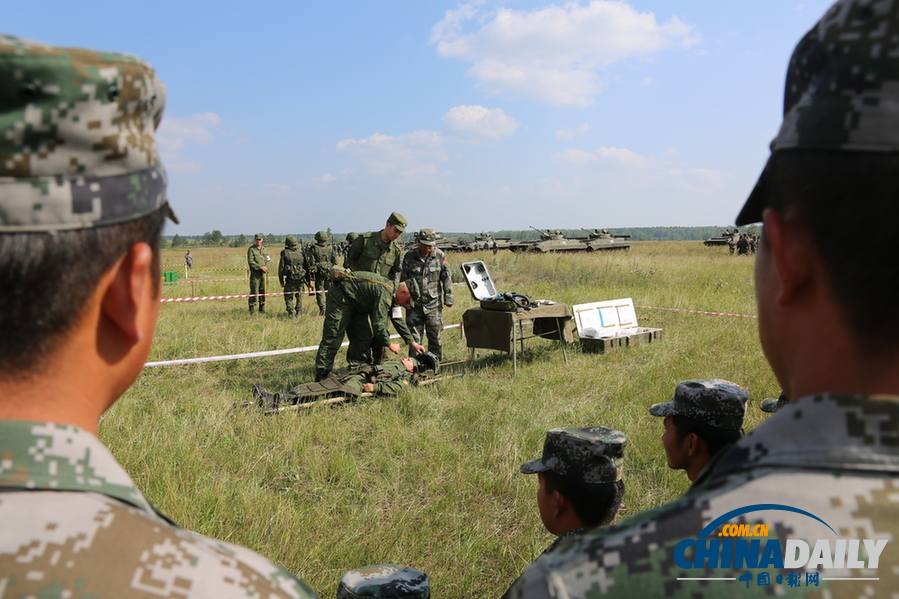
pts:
[429, 478]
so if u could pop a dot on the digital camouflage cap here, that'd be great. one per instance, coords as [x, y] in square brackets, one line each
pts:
[715, 402]
[398, 220]
[77, 137]
[842, 88]
[384, 582]
[771, 404]
[427, 237]
[592, 454]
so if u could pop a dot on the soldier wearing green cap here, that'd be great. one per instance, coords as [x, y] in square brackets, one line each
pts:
[257, 263]
[292, 276]
[579, 483]
[378, 252]
[80, 175]
[829, 327]
[429, 268]
[319, 262]
[362, 294]
[703, 417]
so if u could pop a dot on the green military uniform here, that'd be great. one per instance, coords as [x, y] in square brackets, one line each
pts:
[319, 262]
[352, 298]
[74, 524]
[257, 258]
[370, 254]
[292, 276]
[435, 283]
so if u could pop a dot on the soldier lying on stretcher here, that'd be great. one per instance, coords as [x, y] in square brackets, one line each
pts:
[364, 379]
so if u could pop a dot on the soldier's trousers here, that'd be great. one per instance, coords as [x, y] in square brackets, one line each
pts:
[430, 325]
[293, 299]
[360, 337]
[322, 283]
[257, 286]
[339, 317]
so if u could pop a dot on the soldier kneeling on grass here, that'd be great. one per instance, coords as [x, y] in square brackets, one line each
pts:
[384, 379]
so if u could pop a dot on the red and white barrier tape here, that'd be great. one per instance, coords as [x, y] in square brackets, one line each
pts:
[216, 297]
[698, 312]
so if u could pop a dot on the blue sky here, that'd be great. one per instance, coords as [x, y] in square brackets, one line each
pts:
[290, 117]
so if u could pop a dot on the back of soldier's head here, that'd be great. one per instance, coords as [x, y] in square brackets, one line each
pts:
[834, 166]
[82, 182]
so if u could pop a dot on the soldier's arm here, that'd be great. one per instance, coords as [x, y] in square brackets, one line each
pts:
[282, 270]
[354, 252]
[394, 274]
[446, 281]
[391, 387]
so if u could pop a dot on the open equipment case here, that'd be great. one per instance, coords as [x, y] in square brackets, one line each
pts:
[611, 325]
[483, 289]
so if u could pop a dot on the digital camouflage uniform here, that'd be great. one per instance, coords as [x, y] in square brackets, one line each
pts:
[75, 525]
[320, 260]
[389, 581]
[432, 273]
[79, 150]
[822, 471]
[369, 254]
[356, 297]
[292, 276]
[256, 259]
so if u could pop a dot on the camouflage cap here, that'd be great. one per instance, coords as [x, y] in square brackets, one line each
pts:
[77, 138]
[772, 405]
[593, 454]
[350, 237]
[290, 241]
[384, 582]
[842, 88]
[258, 236]
[397, 220]
[715, 402]
[322, 236]
[427, 237]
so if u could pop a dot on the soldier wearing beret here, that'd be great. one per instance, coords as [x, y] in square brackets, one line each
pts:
[377, 252]
[428, 266]
[319, 262]
[80, 175]
[579, 479]
[257, 263]
[829, 327]
[702, 418]
[292, 276]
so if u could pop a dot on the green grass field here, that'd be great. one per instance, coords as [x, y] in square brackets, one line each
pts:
[430, 478]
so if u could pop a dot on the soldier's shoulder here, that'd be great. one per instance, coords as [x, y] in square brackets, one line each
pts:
[82, 540]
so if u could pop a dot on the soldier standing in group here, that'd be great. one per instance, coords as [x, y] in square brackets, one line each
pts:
[378, 252]
[743, 245]
[188, 260]
[74, 524]
[350, 238]
[257, 261]
[822, 473]
[320, 261]
[427, 265]
[292, 276]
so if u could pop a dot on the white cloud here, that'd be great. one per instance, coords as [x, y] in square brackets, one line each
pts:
[622, 156]
[572, 133]
[475, 123]
[175, 133]
[327, 178]
[696, 179]
[648, 81]
[409, 154]
[552, 54]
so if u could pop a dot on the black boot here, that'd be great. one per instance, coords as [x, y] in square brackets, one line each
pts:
[321, 375]
[264, 399]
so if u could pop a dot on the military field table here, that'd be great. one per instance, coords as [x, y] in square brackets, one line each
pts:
[503, 330]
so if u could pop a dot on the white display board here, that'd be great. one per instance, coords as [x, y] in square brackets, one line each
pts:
[605, 319]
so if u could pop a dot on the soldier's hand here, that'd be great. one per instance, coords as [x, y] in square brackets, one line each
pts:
[394, 347]
[419, 348]
[368, 387]
[264, 269]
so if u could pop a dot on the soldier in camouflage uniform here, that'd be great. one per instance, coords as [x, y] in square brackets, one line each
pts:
[292, 276]
[257, 262]
[703, 417]
[81, 176]
[819, 479]
[428, 267]
[320, 260]
[579, 479]
[376, 252]
[362, 294]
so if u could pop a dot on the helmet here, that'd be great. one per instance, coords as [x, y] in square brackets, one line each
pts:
[428, 361]
[322, 236]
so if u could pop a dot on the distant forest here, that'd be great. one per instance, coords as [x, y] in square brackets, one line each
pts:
[217, 239]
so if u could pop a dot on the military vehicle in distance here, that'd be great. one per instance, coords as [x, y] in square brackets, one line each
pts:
[602, 240]
[727, 238]
[484, 241]
[550, 241]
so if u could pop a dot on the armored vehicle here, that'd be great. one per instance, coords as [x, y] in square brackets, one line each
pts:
[550, 241]
[485, 241]
[602, 240]
[727, 238]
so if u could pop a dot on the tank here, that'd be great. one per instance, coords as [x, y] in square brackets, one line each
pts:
[727, 238]
[550, 241]
[602, 240]
[485, 241]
